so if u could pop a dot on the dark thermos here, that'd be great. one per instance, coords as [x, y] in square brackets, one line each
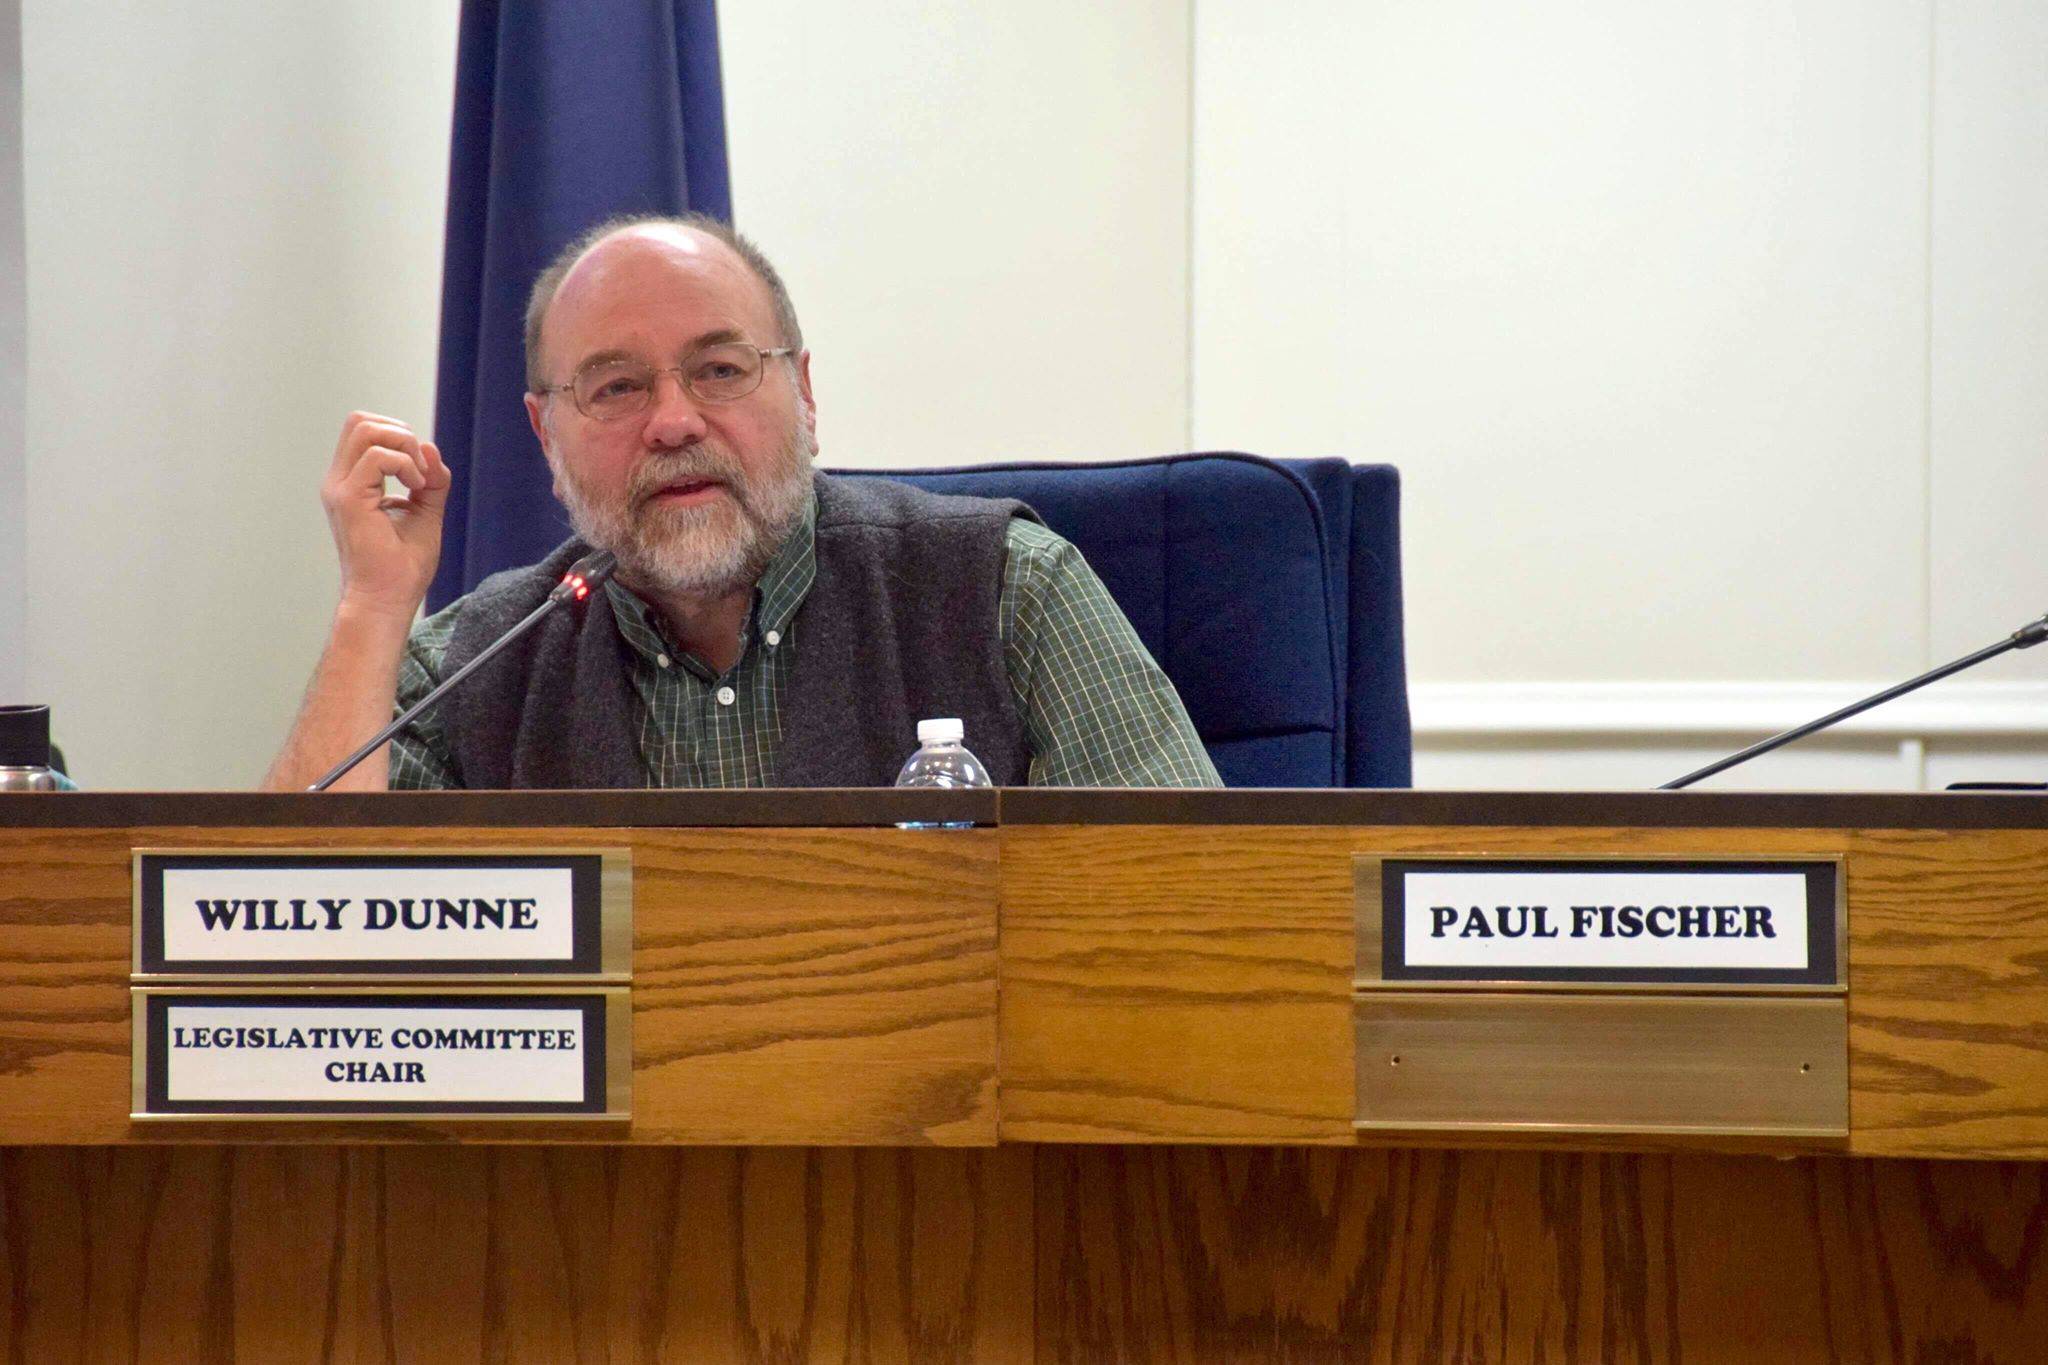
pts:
[25, 750]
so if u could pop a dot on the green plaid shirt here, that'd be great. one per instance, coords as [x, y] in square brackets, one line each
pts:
[1097, 710]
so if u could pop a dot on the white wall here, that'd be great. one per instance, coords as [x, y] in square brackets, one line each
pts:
[1988, 275]
[981, 211]
[1709, 338]
[234, 237]
[13, 357]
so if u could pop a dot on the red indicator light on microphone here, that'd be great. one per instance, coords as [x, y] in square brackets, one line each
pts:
[579, 578]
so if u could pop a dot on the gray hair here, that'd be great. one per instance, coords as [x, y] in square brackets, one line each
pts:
[550, 280]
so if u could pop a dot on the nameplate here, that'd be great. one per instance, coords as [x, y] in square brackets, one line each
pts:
[397, 913]
[1598, 921]
[477, 1054]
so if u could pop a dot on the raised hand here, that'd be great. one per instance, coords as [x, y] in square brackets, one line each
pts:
[388, 545]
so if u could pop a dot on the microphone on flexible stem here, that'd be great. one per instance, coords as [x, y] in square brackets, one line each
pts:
[584, 576]
[2026, 637]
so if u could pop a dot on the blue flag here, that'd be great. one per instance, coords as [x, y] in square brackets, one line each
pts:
[566, 112]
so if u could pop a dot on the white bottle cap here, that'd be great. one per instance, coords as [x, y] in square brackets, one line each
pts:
[947, 731]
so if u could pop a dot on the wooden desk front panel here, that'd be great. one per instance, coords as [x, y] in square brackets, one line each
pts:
[1160, 983]
[1185, 983]
[830, 985]
[1083, 1254]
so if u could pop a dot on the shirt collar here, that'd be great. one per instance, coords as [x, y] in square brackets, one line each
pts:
[782, 587]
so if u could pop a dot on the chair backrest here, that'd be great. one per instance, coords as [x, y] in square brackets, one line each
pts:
[1269, 591]
[1362, 525]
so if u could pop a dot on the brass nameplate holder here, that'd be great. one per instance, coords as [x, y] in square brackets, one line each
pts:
[1659, 996]
[382, 984]
[383, 1053]
[206, 915]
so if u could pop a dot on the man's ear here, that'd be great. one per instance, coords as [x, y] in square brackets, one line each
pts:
[534, 402]
[803, 389]
[536, 414]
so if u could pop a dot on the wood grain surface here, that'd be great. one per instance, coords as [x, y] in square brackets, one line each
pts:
[789, 985]
[1189, 1253]
[1192, 984]
[1948, 993]
[1083, 1254]
[279, 1254]
[1157, 983]
[1176, 984]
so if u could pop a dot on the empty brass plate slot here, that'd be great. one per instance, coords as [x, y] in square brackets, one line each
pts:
[1610, 1063]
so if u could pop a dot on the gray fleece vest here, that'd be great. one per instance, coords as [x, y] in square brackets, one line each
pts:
[899, 626]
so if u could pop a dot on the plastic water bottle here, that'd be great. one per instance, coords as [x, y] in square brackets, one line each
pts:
[941, 760]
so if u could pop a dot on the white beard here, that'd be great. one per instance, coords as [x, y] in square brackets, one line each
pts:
[707, 551]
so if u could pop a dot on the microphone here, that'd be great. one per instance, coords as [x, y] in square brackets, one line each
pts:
[585, 575]
[2026, 637]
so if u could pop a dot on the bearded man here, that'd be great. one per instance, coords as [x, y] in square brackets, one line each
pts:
[768, 625]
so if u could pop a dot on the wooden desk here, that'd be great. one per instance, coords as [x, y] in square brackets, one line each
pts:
[1128, 1015]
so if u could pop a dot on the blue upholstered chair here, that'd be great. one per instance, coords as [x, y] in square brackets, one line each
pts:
[1269, 591]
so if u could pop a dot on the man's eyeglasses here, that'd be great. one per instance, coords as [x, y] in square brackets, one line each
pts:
[607, 390]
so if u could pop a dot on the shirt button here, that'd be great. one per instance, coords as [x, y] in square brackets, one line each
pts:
[662, 659]
[725, 696]
[773, 637]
